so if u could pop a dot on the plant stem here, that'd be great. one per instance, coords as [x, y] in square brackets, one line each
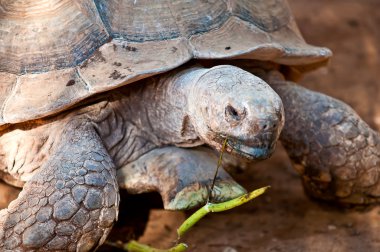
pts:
[217, 169]
[134, 246]
[219, 207]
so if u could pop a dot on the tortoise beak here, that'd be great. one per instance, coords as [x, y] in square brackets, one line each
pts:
[258, 148]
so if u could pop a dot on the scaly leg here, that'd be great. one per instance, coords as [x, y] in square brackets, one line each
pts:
[70, 203]
[183, 177]
[335, 151]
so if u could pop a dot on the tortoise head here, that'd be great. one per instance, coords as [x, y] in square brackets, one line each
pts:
[228, 102]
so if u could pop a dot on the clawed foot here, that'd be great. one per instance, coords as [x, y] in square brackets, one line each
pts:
[334, 150]
[183, 177]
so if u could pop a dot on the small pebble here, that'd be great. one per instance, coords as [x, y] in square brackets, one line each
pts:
[331, 227]
[229, 249]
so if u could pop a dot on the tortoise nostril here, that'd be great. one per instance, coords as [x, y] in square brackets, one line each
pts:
[231, 112]
[267, 125]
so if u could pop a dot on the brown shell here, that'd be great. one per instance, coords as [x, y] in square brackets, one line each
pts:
[55, 53]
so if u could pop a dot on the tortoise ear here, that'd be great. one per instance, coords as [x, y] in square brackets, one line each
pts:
[187, 128]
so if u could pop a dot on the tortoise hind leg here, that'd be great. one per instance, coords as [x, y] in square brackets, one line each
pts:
[70, 203]
[334, 150]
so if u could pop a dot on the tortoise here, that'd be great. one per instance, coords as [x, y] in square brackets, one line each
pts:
[98, 95]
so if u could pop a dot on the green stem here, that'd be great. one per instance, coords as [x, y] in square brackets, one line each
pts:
[219, 207]
[134, 246]
[217, 169]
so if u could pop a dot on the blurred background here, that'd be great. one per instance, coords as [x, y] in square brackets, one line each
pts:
[350, 28]
[284, 219]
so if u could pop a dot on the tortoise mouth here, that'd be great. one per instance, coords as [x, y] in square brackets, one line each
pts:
[251, 152]
[257, 147]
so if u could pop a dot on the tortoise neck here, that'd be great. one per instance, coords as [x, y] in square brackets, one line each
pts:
[167, 108]
[147, 115]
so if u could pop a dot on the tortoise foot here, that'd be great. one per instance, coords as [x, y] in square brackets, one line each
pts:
[183, 177]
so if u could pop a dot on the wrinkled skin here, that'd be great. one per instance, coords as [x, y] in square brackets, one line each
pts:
[67, 164]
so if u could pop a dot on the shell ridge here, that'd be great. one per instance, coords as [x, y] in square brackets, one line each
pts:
[104, 24]
[86, 83]
[11, 94]
[181, 29]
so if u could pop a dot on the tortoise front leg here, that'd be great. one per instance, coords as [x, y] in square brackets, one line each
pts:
[334, 150]
[183, 177]
[70, 203]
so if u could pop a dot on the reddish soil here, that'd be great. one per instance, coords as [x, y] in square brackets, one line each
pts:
[284, 219]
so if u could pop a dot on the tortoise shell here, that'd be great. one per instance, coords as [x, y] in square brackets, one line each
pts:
[55, 53]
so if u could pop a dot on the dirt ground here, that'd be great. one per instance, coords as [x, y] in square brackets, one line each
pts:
[284, 219]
